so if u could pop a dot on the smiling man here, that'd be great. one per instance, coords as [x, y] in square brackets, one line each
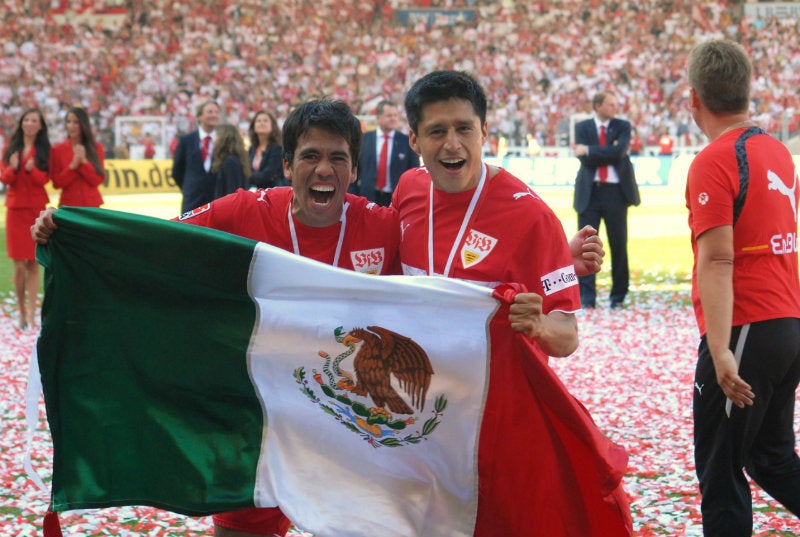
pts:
[315, 217]
[465, 219]
[462, 218]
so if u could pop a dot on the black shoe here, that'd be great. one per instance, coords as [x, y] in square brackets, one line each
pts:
[588, 305]
[616, 304]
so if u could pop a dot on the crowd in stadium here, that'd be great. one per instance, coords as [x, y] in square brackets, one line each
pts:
[540, 61]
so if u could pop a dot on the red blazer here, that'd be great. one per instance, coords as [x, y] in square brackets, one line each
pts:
[78, 186]
[26, 189]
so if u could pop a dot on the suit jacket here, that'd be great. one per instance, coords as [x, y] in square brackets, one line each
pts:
[231, 177]
[189, 174]
[79, 187]
[401, 159]
[270, 170]
[25, 188]
[614, 153]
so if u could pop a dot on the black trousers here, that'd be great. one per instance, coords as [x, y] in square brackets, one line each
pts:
[608, 204]
[759, 438]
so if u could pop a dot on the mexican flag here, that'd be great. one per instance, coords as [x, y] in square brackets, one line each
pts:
[199, 372]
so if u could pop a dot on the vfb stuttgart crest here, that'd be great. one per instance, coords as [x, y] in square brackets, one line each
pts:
[477, 246]
[383, 357]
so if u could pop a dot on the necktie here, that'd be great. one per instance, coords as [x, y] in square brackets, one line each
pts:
[204, 149]
[380, 180]
[602, 171]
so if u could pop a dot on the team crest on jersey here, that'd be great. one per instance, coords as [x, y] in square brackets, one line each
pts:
[364, 399]
[368, 261]
[477, 246]
[195, 212]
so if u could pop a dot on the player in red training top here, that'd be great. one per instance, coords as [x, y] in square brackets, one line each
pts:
[742, 196]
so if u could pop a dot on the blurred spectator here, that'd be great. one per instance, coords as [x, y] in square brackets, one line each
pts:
[25, 171]
[191, 167]
[149, 146]
[665, 144]
[636, 146]
[229, 161]
[360, 52]
[77, 164]
[534, 147]
[121, 151]
[266, 151]
[173, 145]
[385, 156]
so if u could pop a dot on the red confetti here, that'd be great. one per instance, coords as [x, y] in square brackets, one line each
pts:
[633, 371]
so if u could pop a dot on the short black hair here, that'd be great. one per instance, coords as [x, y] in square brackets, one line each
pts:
[333, 116]
[443, 86]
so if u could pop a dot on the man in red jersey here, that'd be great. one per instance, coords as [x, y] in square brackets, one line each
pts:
[462, 218]
[742, 197]
[316, 217]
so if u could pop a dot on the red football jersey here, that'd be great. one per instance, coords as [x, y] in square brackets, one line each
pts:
[369, 244]
[512, 236]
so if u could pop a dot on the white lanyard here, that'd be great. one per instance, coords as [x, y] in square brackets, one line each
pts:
[343, 220]
[467, 217]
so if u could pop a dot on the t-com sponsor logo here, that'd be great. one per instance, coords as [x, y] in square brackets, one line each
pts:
[559, 279]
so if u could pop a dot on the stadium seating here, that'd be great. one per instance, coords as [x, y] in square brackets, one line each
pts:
[539, 61]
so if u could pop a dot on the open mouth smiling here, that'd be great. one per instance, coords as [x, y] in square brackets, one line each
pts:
[453, 164]
[321, 194]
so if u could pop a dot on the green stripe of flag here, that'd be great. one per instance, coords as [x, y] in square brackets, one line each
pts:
[123, 428]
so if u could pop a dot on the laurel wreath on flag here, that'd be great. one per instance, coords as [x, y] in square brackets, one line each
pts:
[376, 426]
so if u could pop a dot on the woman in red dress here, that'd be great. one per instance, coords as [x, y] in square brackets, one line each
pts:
[76, 164]
[25, 174]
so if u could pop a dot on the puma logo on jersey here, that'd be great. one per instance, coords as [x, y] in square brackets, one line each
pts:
[520, 195]
[776, 183]
[403, 228]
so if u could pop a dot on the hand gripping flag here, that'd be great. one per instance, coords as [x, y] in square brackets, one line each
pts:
[199, 372]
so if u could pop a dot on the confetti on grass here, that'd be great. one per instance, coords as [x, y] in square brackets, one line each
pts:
[633, 371]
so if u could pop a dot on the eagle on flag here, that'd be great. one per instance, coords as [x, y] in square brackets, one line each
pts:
[384, 353]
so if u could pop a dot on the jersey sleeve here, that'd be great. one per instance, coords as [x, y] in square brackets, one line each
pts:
[223, 213]
[549, 261]
[710, 194]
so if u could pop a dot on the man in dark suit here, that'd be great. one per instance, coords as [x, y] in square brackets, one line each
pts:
[192, 162]
[604, 189]
[398, 156]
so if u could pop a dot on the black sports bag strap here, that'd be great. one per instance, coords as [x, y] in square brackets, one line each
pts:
[744, 170]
